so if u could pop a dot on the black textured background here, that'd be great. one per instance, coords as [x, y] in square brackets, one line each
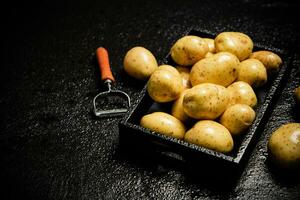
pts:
[51, 147]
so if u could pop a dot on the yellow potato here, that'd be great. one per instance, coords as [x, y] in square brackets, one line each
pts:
[188, 50]
[284, 146]
[270, 60]
[169, 68]
[177, 108]
[253, 72]
[237, 118]
[164, 123]
[297, 94]
[236, 43]
[241, 93]
[205, 101]
[211, 135]
[209, 54]
[165, 84]
[221, 68]
[185, 75]
[139, 63]
[211, 44]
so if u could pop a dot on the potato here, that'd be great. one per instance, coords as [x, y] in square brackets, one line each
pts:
[211, 44]
[211, 135]
[237, 118]
[297, 94]
[253, 72]
[139, 63]
[169, 68]
[221, 68]
[284, 146]
[205, 101]
[241, 93]
[209, 54]
[269, 59]
[188, 50]
[236, 43]
[185, 75]
[177, 108]
[164, 123]
[165, 84]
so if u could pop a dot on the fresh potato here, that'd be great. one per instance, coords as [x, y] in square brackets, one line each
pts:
[139, 63]
[185, 75]
[284, 146]
[164, 123]
[221, 68]
[211, 135]
[237, 118]
[241, 93]
[168, 68]
[236, 43]
[211, 44]
[165, 84]
[188, 50]
[205, 101]
[177, 108]
[297, 94]
[209, 54]
[253, 72]
[270, 60]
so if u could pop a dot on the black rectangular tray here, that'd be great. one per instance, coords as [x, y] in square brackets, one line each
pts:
[136, 137]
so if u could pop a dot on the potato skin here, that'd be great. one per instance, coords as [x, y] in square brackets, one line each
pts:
[177, 108]
[164, 123]
[284, 146]
[139, 63]
[220, 68]
[188, 50]
[205, 101]
[211, 135]
[211, 44]
[165, 84]
[185, 75]
[237, 118]
[253, 72]
[236, 43]
[269, 59]
[241, 93]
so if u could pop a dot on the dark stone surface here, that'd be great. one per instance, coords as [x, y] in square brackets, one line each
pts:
[50, 145]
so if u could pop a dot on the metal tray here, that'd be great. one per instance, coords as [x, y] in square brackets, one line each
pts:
[138, 138]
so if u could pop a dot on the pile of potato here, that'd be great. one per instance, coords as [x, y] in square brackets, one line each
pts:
[212, 84]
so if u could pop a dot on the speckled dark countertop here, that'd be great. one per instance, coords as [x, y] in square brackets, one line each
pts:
[50, 145]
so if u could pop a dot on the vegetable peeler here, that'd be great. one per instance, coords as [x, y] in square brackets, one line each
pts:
[108, 80]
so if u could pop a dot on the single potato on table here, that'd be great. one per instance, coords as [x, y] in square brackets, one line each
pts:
[241, 93]
[185, 74]
[253, 72]
[165, 84]
[188, 50]
[177, 108]
[164, 123]
[270, 60]
[139, 63]
[236, 43]
[284, 146]
[237, 118]
[211, 135]
[205, 101]
[220, 68]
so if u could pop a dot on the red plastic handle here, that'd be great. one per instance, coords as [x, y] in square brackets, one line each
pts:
[103, 61]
